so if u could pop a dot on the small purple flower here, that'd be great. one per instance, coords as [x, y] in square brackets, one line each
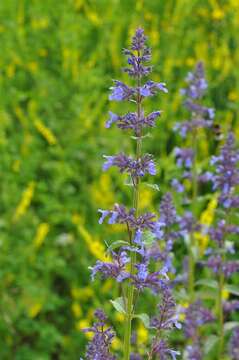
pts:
[134, 356]
[184, 157]
[160, 348]
[113, 118]
[115, 269]
[121, 91]
[104, 214]
[194, 352]
[177, 186]
[150, 88]
[230, 306]
[196, 315]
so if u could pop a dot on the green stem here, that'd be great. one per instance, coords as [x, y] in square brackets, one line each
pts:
[221, 281]
[192, 244]
[131, 289]
[220, 313]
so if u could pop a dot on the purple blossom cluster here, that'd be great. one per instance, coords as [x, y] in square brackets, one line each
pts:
[225, 180]
[234, 345]
[227, 173]
[201, 117]
[195, 317]
[98, 348]
[133, 167]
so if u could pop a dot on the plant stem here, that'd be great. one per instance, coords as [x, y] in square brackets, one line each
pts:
[130, 290]
[221, 281]
[220, 313]
[192, 244]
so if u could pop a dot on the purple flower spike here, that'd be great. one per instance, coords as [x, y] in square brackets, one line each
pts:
[227, 172]
[234, 345]
[99, 346]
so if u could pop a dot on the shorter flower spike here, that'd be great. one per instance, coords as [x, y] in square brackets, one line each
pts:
[98, 348]
[234, 345]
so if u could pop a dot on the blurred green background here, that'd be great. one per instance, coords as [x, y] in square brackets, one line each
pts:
[58, 59]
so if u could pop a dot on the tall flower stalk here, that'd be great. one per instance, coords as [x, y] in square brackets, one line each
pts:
[133, 259]
[201, 117]
[225, 181]
[137, 56]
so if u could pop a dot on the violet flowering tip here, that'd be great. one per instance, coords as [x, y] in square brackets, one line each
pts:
[104, 214]
[113, 118]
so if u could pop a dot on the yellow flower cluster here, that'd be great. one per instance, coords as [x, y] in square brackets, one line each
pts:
[25, 201]
[45, 132]
[41, 234]
[206, 219]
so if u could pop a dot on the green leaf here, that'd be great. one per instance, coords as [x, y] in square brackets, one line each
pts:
[232, 289]
[230, 325]
[116, 244]
[119, 305]
[148, 238]
[144, 318]
[153, 186]
[210, 343]
[209, 283]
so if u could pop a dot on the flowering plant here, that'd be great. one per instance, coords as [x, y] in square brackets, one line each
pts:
[143, 260]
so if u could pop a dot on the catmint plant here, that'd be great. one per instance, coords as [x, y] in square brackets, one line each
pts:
[187, 159]
[225, 182]
[195, 317]
[143, 260]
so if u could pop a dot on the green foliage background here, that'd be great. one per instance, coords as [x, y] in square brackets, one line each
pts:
[57, 62]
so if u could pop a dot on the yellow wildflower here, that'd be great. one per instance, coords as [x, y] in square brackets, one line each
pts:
[107, 286]
[146, 197]
[82, 293]
[225, 294]
[34, 310]
[83, 324]
[25, 201]
[78, 4]
[95, 246]
[102, 192]
[233, 96]
[45, 132]
[93, 17]
[142, 333]
[182, 314]
[218, 14]
[119, 317]
[41, 234]
[32, 66]
[206, 219]
[76, 309]
[10, 70]
[190, 61]
[116, 343]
